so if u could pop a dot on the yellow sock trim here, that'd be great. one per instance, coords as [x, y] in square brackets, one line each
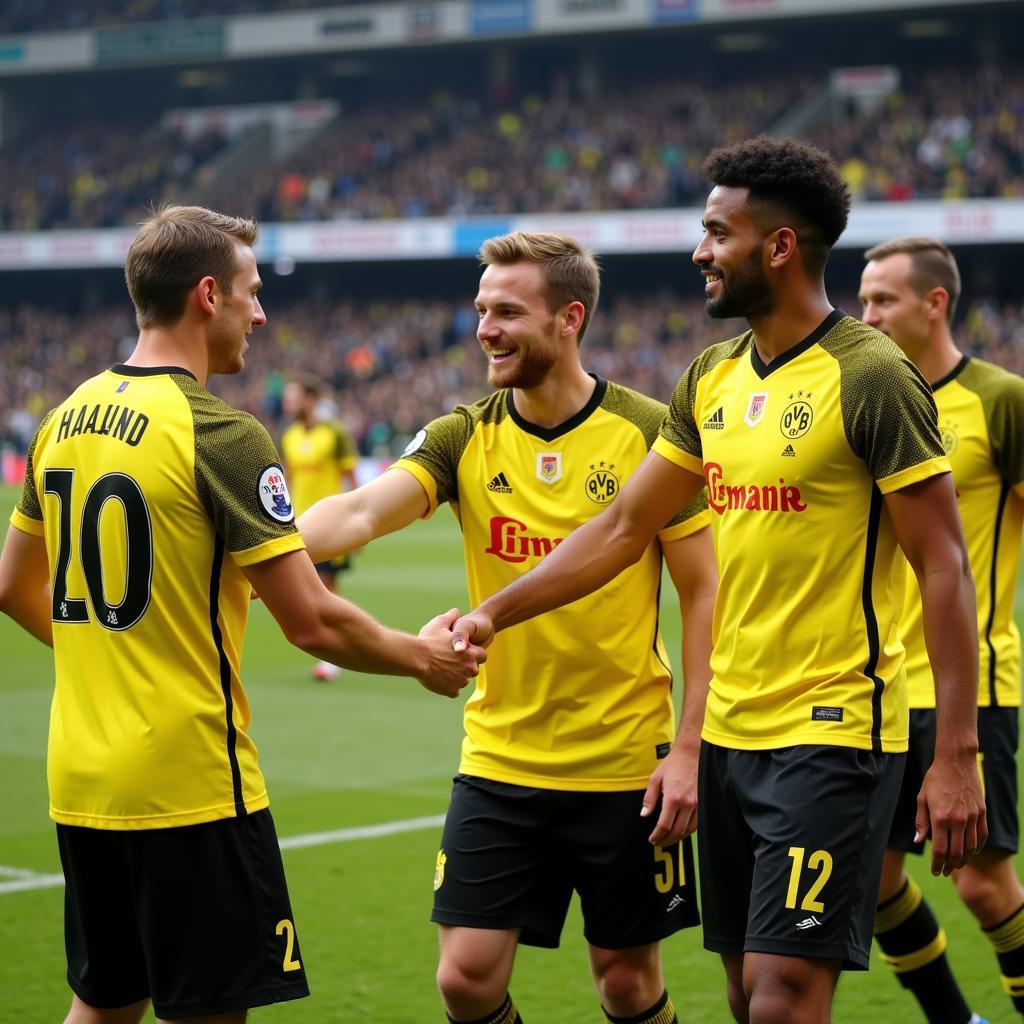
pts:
[898, 910]
[1010, 935]
[920, 957]
[1013, 986]
[666, 1015]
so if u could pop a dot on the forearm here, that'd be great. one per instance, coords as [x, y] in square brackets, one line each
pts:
[951, 636]
[697, 619]
[587, 559]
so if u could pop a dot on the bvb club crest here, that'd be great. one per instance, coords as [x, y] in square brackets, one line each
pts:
[549, 467]
[796, 420]
[755, 410]
[602, 484]
[439, 869]
[950, 438]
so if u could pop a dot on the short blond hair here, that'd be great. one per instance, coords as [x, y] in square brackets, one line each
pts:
[570, 272]
[175, 248]
[932, 265]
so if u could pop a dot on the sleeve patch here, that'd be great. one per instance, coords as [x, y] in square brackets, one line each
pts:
[416, 443]
[273, 494]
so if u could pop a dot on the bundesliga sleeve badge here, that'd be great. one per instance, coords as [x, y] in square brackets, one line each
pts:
[273, 494]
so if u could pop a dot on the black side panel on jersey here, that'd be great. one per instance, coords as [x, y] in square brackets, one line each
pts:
[871, 620]
[29, 504]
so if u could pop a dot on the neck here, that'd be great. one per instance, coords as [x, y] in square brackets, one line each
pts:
[792, 319]
[558, 398]
[939, 358]
[161, 346]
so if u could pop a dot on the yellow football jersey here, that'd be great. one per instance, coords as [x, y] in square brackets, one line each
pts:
[797, 455]
[981, 419]
[315, 458]
[579, 698]
[151, 493]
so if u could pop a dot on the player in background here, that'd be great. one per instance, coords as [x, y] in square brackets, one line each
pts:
[569, 753]
[909, 290]
[819, 443]
[320, 459]
[149, 508]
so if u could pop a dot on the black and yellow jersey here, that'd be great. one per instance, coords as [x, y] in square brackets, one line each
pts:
[151, 494]
[315, 458]
[578, 698]
[981, 420]
[797, 456]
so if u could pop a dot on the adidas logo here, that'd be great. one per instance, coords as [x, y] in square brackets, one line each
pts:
[500, 485]
[789, 451]
[716, 421]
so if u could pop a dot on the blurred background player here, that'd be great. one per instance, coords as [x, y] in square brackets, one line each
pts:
[573, 718]
[149, 507]
[819, 444]
[320, 459]
[909, 290]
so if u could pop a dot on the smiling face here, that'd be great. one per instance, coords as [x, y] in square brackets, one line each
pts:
[238, 311]
[730, 257]
[517, 331]
[892, 305]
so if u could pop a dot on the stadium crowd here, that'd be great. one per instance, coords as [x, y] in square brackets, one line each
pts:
[394, 365]
[943, 134]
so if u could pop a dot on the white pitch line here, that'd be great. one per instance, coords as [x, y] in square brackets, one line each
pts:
[24, 880]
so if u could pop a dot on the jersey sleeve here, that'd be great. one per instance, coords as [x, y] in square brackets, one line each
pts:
[689, 519]
[242, 485]
[679, 438]
[28, 513]
[345, 453]
[433, 455]
[1006, 430]
[891, 420]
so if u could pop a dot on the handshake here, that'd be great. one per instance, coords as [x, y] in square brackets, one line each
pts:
[456, 648]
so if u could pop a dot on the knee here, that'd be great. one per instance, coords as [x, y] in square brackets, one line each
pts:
[625, 987]
[784, 997]
[467, 981]
[990, 895]
[738, 1004]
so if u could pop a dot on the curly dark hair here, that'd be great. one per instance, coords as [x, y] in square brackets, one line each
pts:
[790, 179]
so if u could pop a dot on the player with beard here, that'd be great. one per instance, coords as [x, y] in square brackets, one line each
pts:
[819, 443]
[569, 751]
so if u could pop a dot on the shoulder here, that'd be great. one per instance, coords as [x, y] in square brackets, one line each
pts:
[866, 357]
[993, 384]
[721, 352]
[640, 410]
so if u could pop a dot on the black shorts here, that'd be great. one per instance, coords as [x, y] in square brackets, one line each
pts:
[333, 566]
[791, 844]
[511, 857]
[998, 734]
[195, 918]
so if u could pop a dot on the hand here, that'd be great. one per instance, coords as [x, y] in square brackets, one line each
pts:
[474, 626]
[675, 781]
[951, 807]
[449, 670]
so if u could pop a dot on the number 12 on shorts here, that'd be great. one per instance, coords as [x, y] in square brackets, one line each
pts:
[820, 861]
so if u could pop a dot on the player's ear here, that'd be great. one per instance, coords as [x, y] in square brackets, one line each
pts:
[206, 294]
[936, 303]
[572, 317]
[781, 245]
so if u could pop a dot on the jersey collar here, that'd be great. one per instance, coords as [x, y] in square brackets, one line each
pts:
[553, 433]
[953, 374]
[149, 371]
[762, 369]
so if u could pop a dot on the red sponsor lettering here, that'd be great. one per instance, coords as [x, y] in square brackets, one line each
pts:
[511, 542]
[780, 497]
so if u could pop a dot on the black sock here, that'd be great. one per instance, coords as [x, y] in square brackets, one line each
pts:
[914, 948]
[1008, 941]
[504, 1014]
[662, 1012]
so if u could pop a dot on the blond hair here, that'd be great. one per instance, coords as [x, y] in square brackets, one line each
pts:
[175, 248]
[932, 265]
[569, 271]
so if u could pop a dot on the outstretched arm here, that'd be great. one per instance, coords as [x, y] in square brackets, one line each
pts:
[591, 555]
[25, 584]
[344, 522]
[950, 804]
[329, 627]
[691, 564]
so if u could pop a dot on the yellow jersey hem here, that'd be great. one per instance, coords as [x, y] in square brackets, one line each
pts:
[426, 481]
[26, 525]
[563, 783]
[667, 450]
[270, 549]
[811, 739]
[178, 819]
[914, 474]
[686, 528]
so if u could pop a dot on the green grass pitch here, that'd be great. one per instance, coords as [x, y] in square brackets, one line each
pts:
[362, 751]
